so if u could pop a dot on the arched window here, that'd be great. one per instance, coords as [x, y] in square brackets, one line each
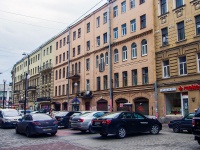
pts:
[97, 61]
[60, 74]
[56, 75]
[116, 56]
[144, 47]
[124, 53]
[134, 50]
[106, 58]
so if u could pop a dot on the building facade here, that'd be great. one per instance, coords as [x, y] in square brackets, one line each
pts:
[177, 36]
[6, 95]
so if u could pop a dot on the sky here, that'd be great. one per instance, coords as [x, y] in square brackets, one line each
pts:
[27, 24]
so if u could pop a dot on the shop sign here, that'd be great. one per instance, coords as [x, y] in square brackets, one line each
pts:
[189, 87]
[168, 89]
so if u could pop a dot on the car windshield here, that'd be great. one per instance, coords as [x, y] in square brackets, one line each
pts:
[86, 114]
[61, 113]
[111, 115]
[41, 117]
[10, 113]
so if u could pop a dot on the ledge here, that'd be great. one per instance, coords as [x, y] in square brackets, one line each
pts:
[181, 41]
[196, 36]
[164, 45]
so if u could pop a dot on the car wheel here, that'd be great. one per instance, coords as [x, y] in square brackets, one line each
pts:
[53, 133]
[17, 130]
[155, 129]
[121, 133]
[28, 134]
[83, 131]
[104, 134]
[176, 128]
[90, 130]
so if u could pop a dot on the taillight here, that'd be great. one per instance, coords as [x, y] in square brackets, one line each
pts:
[80, 120]
[106, 121]
[36, 123]
[55, 122]
[193, 122]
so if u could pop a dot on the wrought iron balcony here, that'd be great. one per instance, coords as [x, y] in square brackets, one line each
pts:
[75, 74]
[46, 67]
[32, 88]
[43, 99]
[84, 94]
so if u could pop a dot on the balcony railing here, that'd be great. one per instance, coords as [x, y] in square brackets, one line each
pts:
[44, 99]
[85, 94]
[46, 67]
[32, 88]
[75, 74]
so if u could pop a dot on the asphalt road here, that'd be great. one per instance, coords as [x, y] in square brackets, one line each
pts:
[67, 139]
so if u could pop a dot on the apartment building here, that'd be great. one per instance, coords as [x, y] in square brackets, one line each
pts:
[107, 60]
[177, 36]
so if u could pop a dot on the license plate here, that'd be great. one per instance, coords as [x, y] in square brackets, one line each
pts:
[97, 123]
[46, 129]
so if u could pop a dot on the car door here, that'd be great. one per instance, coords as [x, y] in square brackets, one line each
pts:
[186, 122]
[143, 122]
[24, 122]
[1, 118]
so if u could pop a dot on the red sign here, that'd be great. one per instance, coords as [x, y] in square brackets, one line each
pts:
[189, 87]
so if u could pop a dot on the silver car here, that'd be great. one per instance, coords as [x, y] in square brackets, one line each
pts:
[83, 122]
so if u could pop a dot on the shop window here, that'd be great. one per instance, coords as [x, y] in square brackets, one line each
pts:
[173, 104]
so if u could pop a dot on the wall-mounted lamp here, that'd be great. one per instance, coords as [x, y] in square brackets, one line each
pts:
[193, 99]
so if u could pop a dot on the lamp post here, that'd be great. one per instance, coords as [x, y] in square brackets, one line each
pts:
[4, 83]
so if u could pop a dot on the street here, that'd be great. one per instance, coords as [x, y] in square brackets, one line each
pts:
[74, 140]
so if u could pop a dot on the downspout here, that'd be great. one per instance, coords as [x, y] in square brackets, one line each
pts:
[68, 72]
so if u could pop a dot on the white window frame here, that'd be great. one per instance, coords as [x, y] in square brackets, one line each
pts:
[182, 64]
[133, 25]
[115, 11]
[98, 40]
[106, 58]
[105, 17]
[144, 50]
[166, 68]
[132, 4]
[124, 53]
[88, 85]
[123, 6]
[98, 21]
[116, 56]
[115, 30]
[134, 51]
[124, 29]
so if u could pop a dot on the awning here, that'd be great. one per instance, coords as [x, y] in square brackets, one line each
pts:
[76, 100]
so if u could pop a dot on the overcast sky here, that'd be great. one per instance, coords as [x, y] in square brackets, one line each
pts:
[26, 24]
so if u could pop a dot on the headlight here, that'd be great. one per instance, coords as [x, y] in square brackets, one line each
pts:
[7, 120]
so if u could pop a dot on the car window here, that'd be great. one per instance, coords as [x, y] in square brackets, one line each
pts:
[111, 115]
[99, 114]
[138, 116]
[41, 117]
[27, 117]
[190, 116]
[126, 116]
[61, 113]
[10, 113]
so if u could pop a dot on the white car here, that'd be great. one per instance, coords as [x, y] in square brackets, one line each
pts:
[9, 117]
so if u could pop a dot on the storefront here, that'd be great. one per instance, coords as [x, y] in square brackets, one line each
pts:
[102, 105]
[142, 105]
[120, 105]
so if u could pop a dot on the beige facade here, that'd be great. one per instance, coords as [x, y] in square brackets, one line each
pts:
[133, 60]
[177, 30]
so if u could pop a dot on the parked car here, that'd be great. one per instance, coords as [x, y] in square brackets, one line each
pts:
[37, 123]
[9, 117]
[63, 118]
[196, 126]
[182, 124]
[123, 123]
[83, 122]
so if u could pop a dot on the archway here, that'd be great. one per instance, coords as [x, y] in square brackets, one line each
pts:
[87, 105]
[120, 105]
[65, 106]
[142, 105]
[102, 105]
[56, 106]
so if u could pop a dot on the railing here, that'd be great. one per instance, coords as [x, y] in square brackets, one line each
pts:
[84, 94]
[46, 67]
[41, 99]
[73, 74]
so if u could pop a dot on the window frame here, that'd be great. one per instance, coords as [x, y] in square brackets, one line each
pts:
[182, 66]
[116, 55]
[164, 32]
[115, 32]
[123, 7]
[143, 22]
[197, 23]
[124, 53]
[166, 69]
[105, 17]
[181, 31]
[145, 76]
[115, 11]
[144, 47]
[124, 32]
[134, 50]
[133, 25]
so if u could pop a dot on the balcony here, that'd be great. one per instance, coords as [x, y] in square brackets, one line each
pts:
[85, 94]
[32, 88]
[44, 99]
[73, 75]
[21, 101]
[46, 67]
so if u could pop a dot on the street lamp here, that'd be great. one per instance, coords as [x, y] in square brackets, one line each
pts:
[4, 81]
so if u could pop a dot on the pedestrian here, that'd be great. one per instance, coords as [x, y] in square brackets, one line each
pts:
[51, 112]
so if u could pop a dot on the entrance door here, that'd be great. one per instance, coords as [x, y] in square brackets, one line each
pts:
[185, 106]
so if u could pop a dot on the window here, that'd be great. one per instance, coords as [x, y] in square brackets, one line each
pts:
[197, 19]
[182, 66]
[101, 65]
[88, 45]
[87, 64]
[88, 85]
[115, 30]
[179, 3]
[97, 61]
[164, 36]
[59, 90]
[125, 78]
[145, 75]
[44, 53]
[56, 91]
[68, 39]
[47, 52]
[63, 90]
[166, 71]
[198, 61]
[79, 49]
[67, 55]
[134, 77]
[64, 41]
[74, 35]
[134, 50]
[60, 74]
[144, 47]
[88, 27]
[98, 83]
[60, 58]
[79, 32]
[143, 21]
[98, 21]
[63, 72]
[123, 6]
[74, 51]
[116, 78]
[60, 43]
[163, 6]
[98, 40]
[105, 81]
[181, 31]
[133, 25]
[123, 29]
[124, 53]
[63, 56]
[56, 45]
[106, 58]
[56, 59]
[132, 3]
[115, 11]
[105, 17]
[142, 1]
[105, 38]
[116, 56]
[56, 75]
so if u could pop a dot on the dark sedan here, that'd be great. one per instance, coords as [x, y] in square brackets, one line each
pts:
[182, 124]
[63, 118]
[37, 124]
[123, 123]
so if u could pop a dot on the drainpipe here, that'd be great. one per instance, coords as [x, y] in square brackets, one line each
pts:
[156, 98]
[68, 71]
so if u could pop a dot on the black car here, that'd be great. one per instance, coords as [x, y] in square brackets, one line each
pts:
[123, 123]
[37, 123]
[63, 118]
[182, 124]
